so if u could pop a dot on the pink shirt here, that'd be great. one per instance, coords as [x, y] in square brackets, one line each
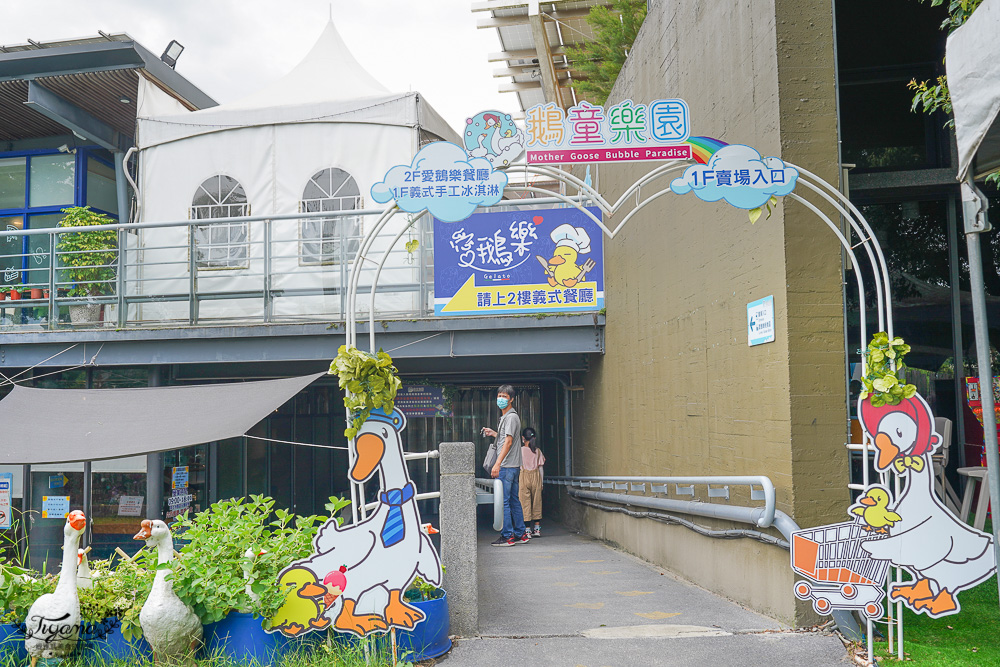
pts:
[531, 460]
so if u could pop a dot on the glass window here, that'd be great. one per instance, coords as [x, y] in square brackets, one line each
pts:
[281, 462]
[52, 180]
[330, 240]
[117, 505]
[229, 471]
[12, 182]
[37, 273]
[53, 489]
[222, 246]
[101, 190]
[184, 481]
[11, 259]
[257, 459]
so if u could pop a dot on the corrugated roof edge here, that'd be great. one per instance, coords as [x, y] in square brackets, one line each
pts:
[80, 56]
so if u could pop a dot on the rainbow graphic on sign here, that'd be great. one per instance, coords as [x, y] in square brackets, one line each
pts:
[702, 148]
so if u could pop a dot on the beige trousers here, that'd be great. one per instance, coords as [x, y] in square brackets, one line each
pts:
[530, 495]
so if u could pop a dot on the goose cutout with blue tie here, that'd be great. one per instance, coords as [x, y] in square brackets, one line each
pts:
[382, 553]
[394, 529]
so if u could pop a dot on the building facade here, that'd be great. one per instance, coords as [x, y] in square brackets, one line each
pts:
[679, 391]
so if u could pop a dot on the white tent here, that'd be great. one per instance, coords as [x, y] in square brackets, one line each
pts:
[327, 118]
[973, 66]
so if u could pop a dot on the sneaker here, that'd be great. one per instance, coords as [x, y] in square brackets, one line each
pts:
[504, 542]
[537, 532]
[524, 539]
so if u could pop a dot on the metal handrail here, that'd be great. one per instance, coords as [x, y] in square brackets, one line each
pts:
[762, 520]
[272, 271]
[492, 492]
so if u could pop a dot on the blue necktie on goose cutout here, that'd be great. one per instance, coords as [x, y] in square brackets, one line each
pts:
[394, 529]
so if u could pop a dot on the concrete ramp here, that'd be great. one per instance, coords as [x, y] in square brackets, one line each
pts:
[568, 599]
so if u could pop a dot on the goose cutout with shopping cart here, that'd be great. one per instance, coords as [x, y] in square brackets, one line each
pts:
[841, 575]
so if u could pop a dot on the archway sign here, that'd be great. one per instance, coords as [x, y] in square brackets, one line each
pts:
[846, 566]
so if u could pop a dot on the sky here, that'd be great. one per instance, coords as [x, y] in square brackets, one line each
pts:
[234, 47]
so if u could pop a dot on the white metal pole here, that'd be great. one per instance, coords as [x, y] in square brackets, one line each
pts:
[974, 207]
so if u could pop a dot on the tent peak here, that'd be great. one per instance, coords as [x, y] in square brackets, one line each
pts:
[328, 73]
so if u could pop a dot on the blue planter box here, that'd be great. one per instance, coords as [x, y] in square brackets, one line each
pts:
[104, 641]
[12, 644]
[241, 637]
[430, 638]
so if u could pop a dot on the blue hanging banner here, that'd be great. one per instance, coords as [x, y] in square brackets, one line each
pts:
[511, 262]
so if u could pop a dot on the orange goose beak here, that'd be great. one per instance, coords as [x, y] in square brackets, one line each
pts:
[77, 520]
[146, 532]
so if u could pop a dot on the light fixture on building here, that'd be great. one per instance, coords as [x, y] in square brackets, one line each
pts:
[172, 53]
[124, 100]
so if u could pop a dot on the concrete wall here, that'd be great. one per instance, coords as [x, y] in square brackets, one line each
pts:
[679, 391]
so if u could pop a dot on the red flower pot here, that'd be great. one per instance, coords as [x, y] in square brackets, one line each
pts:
[36, 293]
[15, 295]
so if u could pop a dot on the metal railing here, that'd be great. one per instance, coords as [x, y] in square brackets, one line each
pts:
[167, 273]
[490, 492]
[655, 492]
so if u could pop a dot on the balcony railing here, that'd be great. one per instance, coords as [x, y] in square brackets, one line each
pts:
[175, 274]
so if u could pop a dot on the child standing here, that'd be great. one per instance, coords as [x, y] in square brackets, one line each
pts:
[530, 493]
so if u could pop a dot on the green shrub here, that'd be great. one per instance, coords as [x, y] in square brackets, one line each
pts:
[234, 553]
[91, 256]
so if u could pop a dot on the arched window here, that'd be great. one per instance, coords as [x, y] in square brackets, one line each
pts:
[330, 240]
[220, 246]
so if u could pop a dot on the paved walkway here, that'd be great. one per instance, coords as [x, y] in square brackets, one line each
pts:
[569, 599]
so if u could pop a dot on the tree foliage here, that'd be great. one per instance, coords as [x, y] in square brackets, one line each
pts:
[932, 95]
[615, 29]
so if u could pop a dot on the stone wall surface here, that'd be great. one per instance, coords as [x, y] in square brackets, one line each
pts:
[679, 391]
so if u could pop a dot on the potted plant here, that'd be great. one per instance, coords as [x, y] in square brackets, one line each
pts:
[15, 292]
[228, 572]
[4, 291]
[36, 292]
[429, 639]
[87, 259]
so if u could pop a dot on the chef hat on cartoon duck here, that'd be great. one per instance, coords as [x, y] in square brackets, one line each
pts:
[397, 420]
[576, 238]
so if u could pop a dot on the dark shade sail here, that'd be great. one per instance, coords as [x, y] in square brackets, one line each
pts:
[92, 424]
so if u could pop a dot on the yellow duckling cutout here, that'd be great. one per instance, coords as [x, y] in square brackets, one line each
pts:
[873, 508]
[561, 268]
[303, 606]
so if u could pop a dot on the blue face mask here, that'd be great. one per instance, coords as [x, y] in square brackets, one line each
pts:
[502, 403]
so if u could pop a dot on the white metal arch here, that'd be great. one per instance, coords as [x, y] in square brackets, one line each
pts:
[586, 193]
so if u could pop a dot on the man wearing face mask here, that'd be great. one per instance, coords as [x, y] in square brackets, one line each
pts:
[508, 469]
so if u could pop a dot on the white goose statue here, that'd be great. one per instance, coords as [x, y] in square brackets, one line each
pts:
[52, 626]
[170, 626]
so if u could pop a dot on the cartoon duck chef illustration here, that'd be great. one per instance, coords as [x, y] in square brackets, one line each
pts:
[561, 268]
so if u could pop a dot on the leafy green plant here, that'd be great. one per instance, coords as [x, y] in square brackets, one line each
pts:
[930, 96]
[420, 590]
[19, 588]
[234, 553]
[884, 360]
[371, 381]
[119, 588]
[91, 256]
[754, 213]
[600, 60]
